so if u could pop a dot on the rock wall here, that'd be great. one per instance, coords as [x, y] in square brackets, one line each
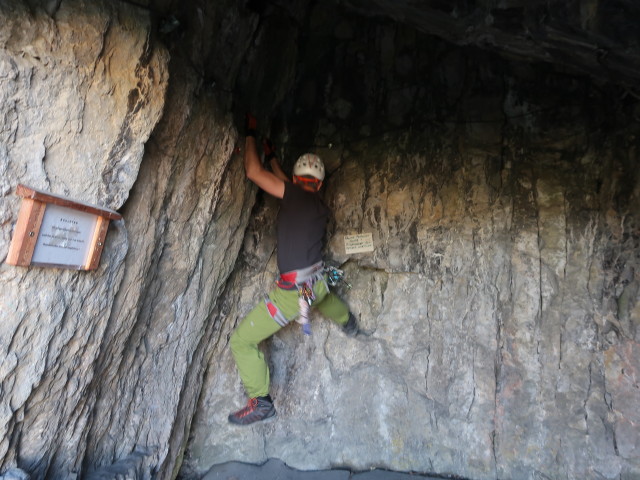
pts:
[499, 307]
[81, 88]
[120, 105]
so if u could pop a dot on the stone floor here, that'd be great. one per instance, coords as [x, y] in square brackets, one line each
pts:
[277, 470]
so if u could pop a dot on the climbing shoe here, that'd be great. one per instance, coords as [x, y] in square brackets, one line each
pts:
[351, 327]
[257, 409]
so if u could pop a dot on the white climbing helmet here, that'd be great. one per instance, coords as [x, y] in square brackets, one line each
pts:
[309, 164]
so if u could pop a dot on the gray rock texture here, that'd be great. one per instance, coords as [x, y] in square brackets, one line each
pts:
[101, 370]
[589, 37]
[490, 308]
[81, 90]
[499, 307]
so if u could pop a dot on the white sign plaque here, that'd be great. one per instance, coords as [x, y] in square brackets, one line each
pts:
[56, 231]
[359, 243]
[65, 236]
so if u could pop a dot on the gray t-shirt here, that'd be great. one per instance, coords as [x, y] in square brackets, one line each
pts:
[302, 221]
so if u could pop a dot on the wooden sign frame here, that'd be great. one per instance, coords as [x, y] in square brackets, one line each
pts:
[28, 237]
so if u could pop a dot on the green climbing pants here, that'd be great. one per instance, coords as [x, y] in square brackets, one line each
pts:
[259, 325]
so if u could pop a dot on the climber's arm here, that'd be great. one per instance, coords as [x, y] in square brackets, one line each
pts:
[266, 180]
[272, 159]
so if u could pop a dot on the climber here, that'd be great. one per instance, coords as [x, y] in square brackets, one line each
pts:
[301, 226]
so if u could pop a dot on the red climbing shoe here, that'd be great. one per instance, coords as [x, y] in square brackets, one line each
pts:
[257, 409]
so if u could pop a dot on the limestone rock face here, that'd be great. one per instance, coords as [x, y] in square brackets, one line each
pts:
[588, 37]
[101, 371]
[81, 89]
[499, 307]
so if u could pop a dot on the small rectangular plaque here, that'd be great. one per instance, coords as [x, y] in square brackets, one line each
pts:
[54, 231]
[359, 243]
[65, 237]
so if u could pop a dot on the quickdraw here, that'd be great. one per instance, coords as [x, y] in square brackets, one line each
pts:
[305, 299]
[335, 276]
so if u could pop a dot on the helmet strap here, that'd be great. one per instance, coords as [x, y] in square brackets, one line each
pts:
[308, 183]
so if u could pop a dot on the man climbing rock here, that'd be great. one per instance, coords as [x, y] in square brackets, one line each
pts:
[302, 283]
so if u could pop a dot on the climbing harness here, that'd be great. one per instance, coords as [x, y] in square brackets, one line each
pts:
[295, 278]
[304, 280]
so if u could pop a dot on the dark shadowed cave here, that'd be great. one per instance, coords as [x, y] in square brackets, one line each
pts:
[490, 147]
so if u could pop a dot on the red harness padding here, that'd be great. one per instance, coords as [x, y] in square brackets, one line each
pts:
[293, 279]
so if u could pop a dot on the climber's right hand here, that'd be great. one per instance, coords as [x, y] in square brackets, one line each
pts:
[250, 125]
[269, 149]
